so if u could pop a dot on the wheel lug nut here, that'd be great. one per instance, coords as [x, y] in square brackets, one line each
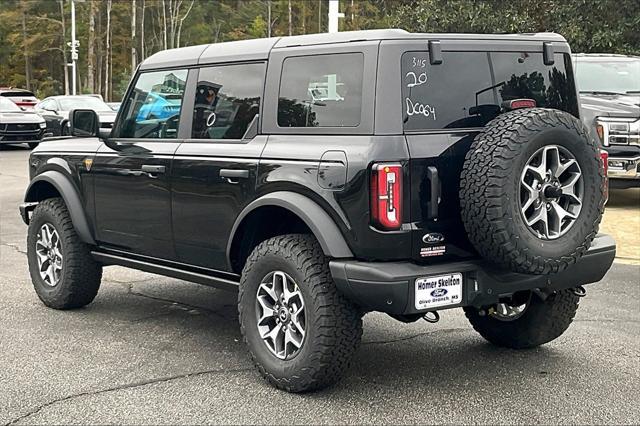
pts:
[548, 206]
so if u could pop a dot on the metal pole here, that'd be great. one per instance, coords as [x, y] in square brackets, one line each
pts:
[268, 18]
[334, 14]
[74, 50]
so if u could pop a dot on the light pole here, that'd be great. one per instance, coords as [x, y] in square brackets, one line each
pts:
[334, 14]
[74, 44]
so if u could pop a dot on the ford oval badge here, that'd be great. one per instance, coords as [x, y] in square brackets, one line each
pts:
[433, 237]
[439, 292]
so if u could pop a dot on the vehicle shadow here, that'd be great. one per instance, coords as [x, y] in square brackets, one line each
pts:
[429, 358]
[624, 198]
[14, 147]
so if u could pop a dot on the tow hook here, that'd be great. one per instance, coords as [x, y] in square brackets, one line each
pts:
[579, 291]
[432, 317]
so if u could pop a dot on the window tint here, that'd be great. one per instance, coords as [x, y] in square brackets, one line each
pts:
[321, 91]
[153, 107]
[227, 100]
[469, 88]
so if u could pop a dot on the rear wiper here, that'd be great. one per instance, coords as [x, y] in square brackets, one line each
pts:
[601, 92]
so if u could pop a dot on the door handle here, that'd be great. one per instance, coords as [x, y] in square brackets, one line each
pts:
[152, 171]
[233, 175]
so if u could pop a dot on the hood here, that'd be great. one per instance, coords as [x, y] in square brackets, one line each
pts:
[106, 116]
[611, 105]
[20, 117]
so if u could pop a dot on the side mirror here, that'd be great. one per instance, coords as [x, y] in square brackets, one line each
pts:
[83, 122]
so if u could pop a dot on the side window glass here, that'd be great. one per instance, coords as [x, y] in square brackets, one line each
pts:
[227, 100]
[321, 91]
[153, 107]
[48, 105]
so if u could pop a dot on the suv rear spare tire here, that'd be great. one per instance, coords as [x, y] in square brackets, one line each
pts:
[531, 191]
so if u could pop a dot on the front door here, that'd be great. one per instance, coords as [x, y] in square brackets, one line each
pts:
[214, 172]
[132, 172]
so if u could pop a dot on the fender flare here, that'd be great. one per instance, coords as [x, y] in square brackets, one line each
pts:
[315, 217]
[71, 198]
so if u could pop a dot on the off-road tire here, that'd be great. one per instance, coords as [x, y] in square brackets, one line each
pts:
[334, 325]
[490, 185]
[81, 275]
[541, 322]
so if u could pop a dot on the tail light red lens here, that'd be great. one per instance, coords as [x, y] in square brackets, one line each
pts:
[386, 196]
[521, 103]
[604, 164]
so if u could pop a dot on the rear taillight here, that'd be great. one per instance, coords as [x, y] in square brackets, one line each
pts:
[386, 196]
[604, 165]
[519, 103]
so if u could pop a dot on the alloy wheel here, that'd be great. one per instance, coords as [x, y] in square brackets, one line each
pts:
[551, 192]
[49, 255]
[280, 313]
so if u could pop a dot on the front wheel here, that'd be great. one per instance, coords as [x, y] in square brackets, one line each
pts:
[63, 273]
[301, 332]
[526, 323]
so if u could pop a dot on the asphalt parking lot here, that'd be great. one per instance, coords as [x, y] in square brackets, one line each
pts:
[158, 350]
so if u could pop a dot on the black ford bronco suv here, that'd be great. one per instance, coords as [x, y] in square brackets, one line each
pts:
[326, 176]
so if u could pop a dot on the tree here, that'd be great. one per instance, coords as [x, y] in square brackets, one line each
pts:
[116, 35]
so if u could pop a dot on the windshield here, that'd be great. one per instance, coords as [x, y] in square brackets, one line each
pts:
[8, 106]
[607, 75]
[87, 102]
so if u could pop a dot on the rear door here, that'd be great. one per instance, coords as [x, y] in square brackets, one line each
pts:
[132, 173]
[214, 170]
[445, 104]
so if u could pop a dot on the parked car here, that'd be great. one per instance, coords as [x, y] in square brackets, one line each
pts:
[610, 95]
[55, 110]
[23, 98]
[114, 105]
[18, 126]
[329, 175]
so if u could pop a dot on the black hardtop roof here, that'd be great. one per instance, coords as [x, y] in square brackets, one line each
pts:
[258, 49]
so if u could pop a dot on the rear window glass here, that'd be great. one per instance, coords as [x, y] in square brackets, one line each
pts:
[468, 89]
[24, 93]
[321, 91]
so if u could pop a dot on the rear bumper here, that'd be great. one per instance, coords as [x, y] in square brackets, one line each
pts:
[389, 286]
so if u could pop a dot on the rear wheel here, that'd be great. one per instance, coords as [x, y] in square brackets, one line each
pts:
[525, 323]
[63, 273]
[301, 332]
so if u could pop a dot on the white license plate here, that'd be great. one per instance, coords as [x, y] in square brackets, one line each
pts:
[443, 290]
